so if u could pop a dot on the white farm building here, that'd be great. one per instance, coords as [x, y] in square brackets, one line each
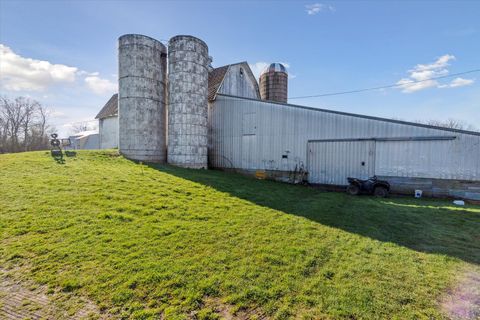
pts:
[224, 123]
[108, 124]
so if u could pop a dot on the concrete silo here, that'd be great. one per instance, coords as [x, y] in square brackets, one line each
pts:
[274, 83]
[142, 74]
[188, 62]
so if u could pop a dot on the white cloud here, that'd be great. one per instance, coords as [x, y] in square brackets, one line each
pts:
[99, 85]
[18, 73]
[460, 82]
[409, 85]
[85, 73]
[440, 63]
[425, 73]
[58, 114]
[316, 8]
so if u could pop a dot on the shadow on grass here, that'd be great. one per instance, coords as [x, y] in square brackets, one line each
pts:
[432, 226]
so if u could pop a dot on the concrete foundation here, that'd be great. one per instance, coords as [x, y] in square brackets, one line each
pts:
[431, 188]
[438, 188]
[142, 72]
[188, 109]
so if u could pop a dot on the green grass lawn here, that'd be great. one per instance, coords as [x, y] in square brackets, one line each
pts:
[157, 241]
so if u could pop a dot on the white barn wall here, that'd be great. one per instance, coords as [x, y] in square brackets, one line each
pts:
[451, 159]
[108, 131]
[84, 142]
[254, 135]
[90, 142]
[239, 85]
[324, 166]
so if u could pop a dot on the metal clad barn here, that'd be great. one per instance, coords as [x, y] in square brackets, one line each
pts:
[222, 118]
[86, 140]
[253, 135]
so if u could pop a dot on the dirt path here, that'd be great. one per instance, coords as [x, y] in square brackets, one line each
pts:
[463, 301]
[20, 300]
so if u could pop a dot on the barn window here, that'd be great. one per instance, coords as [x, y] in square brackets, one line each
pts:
[241, 72]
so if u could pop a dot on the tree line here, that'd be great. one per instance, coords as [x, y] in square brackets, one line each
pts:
[24, 125]
[452, 124]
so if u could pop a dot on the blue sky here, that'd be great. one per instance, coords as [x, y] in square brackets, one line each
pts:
[63, 53]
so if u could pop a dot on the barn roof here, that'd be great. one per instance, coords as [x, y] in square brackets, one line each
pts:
[110, 109]
[215, 80]
[216, 76]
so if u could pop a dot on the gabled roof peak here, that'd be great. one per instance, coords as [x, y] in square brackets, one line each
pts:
[110, 108]
[216, 76]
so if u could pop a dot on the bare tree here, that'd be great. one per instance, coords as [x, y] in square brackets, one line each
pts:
[23, 125]
[449, 123]
[81, 126]
[3, 132]
[452, 124]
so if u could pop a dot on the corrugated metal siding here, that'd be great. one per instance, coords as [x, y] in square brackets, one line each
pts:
[332, 162]
[285, 130]
[453, 159]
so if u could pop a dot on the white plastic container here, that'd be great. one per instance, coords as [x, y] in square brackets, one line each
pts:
[459, 202]
[418, 193]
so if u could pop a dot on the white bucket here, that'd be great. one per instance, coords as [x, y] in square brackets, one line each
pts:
[418, 193]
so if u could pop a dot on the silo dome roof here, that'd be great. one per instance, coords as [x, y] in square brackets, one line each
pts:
[275, 67]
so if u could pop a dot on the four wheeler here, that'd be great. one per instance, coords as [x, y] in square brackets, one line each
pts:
[379, 188]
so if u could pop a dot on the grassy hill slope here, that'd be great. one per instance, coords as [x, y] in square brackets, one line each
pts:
[149, 241]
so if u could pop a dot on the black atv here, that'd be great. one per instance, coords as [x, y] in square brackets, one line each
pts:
[379, 188]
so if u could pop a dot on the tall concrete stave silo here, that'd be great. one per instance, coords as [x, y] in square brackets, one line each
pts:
[274, 83]
[142, 74]
[188, 62]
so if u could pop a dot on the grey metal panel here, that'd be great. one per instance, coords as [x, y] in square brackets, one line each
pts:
[430, 138]
[414, 159]
[86, 142]
[426, 159]
[475, 133]
[91, 142]
[333, 161]
[283, 129]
